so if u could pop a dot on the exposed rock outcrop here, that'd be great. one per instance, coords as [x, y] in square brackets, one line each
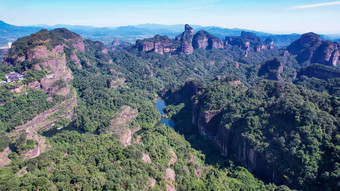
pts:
[202, 39]
[4, 160]
[320, 71]
[146, 158]
[186, 40]
[272, 69]
[327, 53]
[249, 42]
[116, 45]
[232, 144]
[269, 43]
[210, 125]
[159, 44]
[310, 47]
[119, 125]
[49, 51]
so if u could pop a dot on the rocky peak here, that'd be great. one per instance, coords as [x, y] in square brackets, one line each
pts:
[249, 42]
[310, 47]
[203, 39]
[159, 44]
[186, 40]
[307, 42]
[251, 38]
[115, 44]
[188, 29]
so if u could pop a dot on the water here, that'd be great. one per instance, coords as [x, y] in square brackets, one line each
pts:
[160, 105]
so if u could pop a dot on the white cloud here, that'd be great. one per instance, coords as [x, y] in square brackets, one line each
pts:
[315, 5]
[199, 8]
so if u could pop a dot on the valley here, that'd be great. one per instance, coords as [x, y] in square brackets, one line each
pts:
[240, 113]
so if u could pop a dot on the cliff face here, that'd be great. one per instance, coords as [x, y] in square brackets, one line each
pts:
[51, 52]
[185, 42]
[249, 42]
[310, 47]
[204, 40]
[320, 71]
[115, 44]
[159, 44]
[327, 53]
[230, 142]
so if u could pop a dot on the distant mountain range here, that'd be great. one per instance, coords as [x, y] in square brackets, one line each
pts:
[132, 33]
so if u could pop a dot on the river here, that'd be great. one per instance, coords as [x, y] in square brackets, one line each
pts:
[160, 105]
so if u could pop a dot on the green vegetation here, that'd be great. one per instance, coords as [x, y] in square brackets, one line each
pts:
[297, 130]
[4, 141]
[33, 75]
[294, 128]
[23, 108]
[330, 86]
[171, 110]
[76, 163]
[22, 144]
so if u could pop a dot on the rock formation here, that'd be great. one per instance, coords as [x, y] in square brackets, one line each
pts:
[116, 45]
[320, 71]
[327, 53]
[202, 39]
[159, 44]
[50, 52]
[310, 47]
[231, 143]
[119, 125]
[272, 69]
[185, 42]
[269, 43]
[249, 42]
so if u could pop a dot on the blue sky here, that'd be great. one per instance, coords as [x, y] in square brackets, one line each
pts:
[277, 16]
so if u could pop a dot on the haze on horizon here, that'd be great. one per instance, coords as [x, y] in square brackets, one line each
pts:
[298, 16]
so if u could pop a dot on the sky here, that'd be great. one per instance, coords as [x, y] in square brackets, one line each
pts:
[274, 16]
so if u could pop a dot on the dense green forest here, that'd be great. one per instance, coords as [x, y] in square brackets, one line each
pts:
[295, 129]
[285, 122]
[93, 162]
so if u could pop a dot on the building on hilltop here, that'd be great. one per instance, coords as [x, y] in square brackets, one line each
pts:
[13, 76]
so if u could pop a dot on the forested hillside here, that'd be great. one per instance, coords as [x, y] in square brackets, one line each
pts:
[233, 106]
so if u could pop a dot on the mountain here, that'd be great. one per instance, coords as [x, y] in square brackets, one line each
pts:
[73, 85]
[248, 116]
[133, 33]
[310, 47]
[11, 32]
[186, 42]
[260, 128]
